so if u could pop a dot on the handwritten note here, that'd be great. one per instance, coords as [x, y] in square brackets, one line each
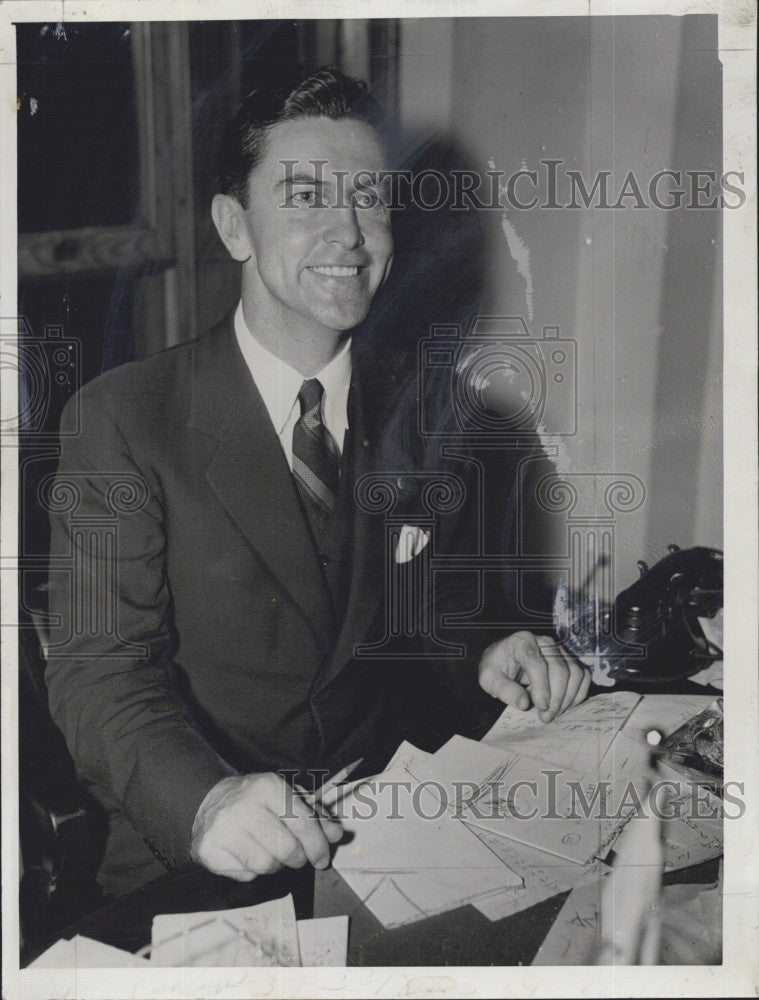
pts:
[579, 739]
[544, 876]
[407, 756]
[531, 801]
[575, 936]
[547, 800]
[262, 935]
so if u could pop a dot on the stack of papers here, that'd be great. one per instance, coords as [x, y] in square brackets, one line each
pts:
[529, 812]
[408, 858]
[544, 876]
[606, 738]
[531, 801]
[263, 935]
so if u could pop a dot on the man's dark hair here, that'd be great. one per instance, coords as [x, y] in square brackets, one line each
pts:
[326, 92]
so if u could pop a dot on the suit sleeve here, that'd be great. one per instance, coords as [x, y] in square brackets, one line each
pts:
[109, 664]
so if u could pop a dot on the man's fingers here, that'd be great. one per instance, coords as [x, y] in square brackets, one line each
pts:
[522, 660]
[574, 680]
[508, 691]
[243, 855]
[262, 863]
[585, 686]
[516, 658]
[252, 825]
[332, 830]
[576, 677]
[302, 821]
[278, 842]
[529, 655]
[582, 691]
[558, 676]
[497, 673]
[290, 809]
[221, 862]
[256, 855]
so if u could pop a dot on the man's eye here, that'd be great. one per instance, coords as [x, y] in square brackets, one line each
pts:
[304, 198]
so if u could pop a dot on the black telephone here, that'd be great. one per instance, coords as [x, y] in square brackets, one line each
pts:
[651, 634]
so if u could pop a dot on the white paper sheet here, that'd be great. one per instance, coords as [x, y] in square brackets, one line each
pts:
[575, 935]
[456, 772]
[576, 815]
[83, 953]
[409, 858]
[690, 839]
[534, 802]
[578, 739]
[261, 935]
[692, 835]
[323, 941]
[407, 755]
[544, 876]
[546, 812]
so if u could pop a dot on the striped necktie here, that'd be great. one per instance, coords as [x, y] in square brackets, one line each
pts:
[316, 459]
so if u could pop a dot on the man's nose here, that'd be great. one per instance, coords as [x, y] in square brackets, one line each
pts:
[343, 227]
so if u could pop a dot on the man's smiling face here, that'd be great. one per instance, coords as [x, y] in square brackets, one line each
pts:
[320, 248]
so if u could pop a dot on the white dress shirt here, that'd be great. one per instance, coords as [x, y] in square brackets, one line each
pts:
[279, 385]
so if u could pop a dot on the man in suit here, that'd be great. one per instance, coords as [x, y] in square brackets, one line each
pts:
[208, 657]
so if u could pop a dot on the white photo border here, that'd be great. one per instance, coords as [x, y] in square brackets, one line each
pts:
[738, 975]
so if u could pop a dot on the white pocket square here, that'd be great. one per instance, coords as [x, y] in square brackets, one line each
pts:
[411, 541]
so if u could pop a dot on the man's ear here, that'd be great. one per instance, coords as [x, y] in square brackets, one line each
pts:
[229, 218]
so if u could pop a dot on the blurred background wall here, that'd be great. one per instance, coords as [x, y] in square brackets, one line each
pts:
[638, 289]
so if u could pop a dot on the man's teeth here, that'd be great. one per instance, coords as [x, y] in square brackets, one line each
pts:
[337, 272]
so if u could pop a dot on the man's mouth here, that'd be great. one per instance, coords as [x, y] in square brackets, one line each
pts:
[337, 272]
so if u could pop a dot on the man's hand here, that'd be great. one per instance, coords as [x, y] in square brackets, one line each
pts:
[522, 662]
[256, 824]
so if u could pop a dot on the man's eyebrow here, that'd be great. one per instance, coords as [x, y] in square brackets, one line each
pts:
[301, 179]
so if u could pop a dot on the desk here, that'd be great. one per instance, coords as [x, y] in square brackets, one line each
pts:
[460, 937]
[457, 938]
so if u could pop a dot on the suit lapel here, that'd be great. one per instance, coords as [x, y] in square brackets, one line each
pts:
[370, 392]
[249, 474]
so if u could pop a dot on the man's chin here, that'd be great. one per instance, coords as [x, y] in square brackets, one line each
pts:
[342, 320]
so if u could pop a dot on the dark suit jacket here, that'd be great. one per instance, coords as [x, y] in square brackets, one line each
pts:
[203, 641]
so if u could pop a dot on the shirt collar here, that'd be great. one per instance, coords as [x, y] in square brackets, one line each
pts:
[335, 376]
[279, 383]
